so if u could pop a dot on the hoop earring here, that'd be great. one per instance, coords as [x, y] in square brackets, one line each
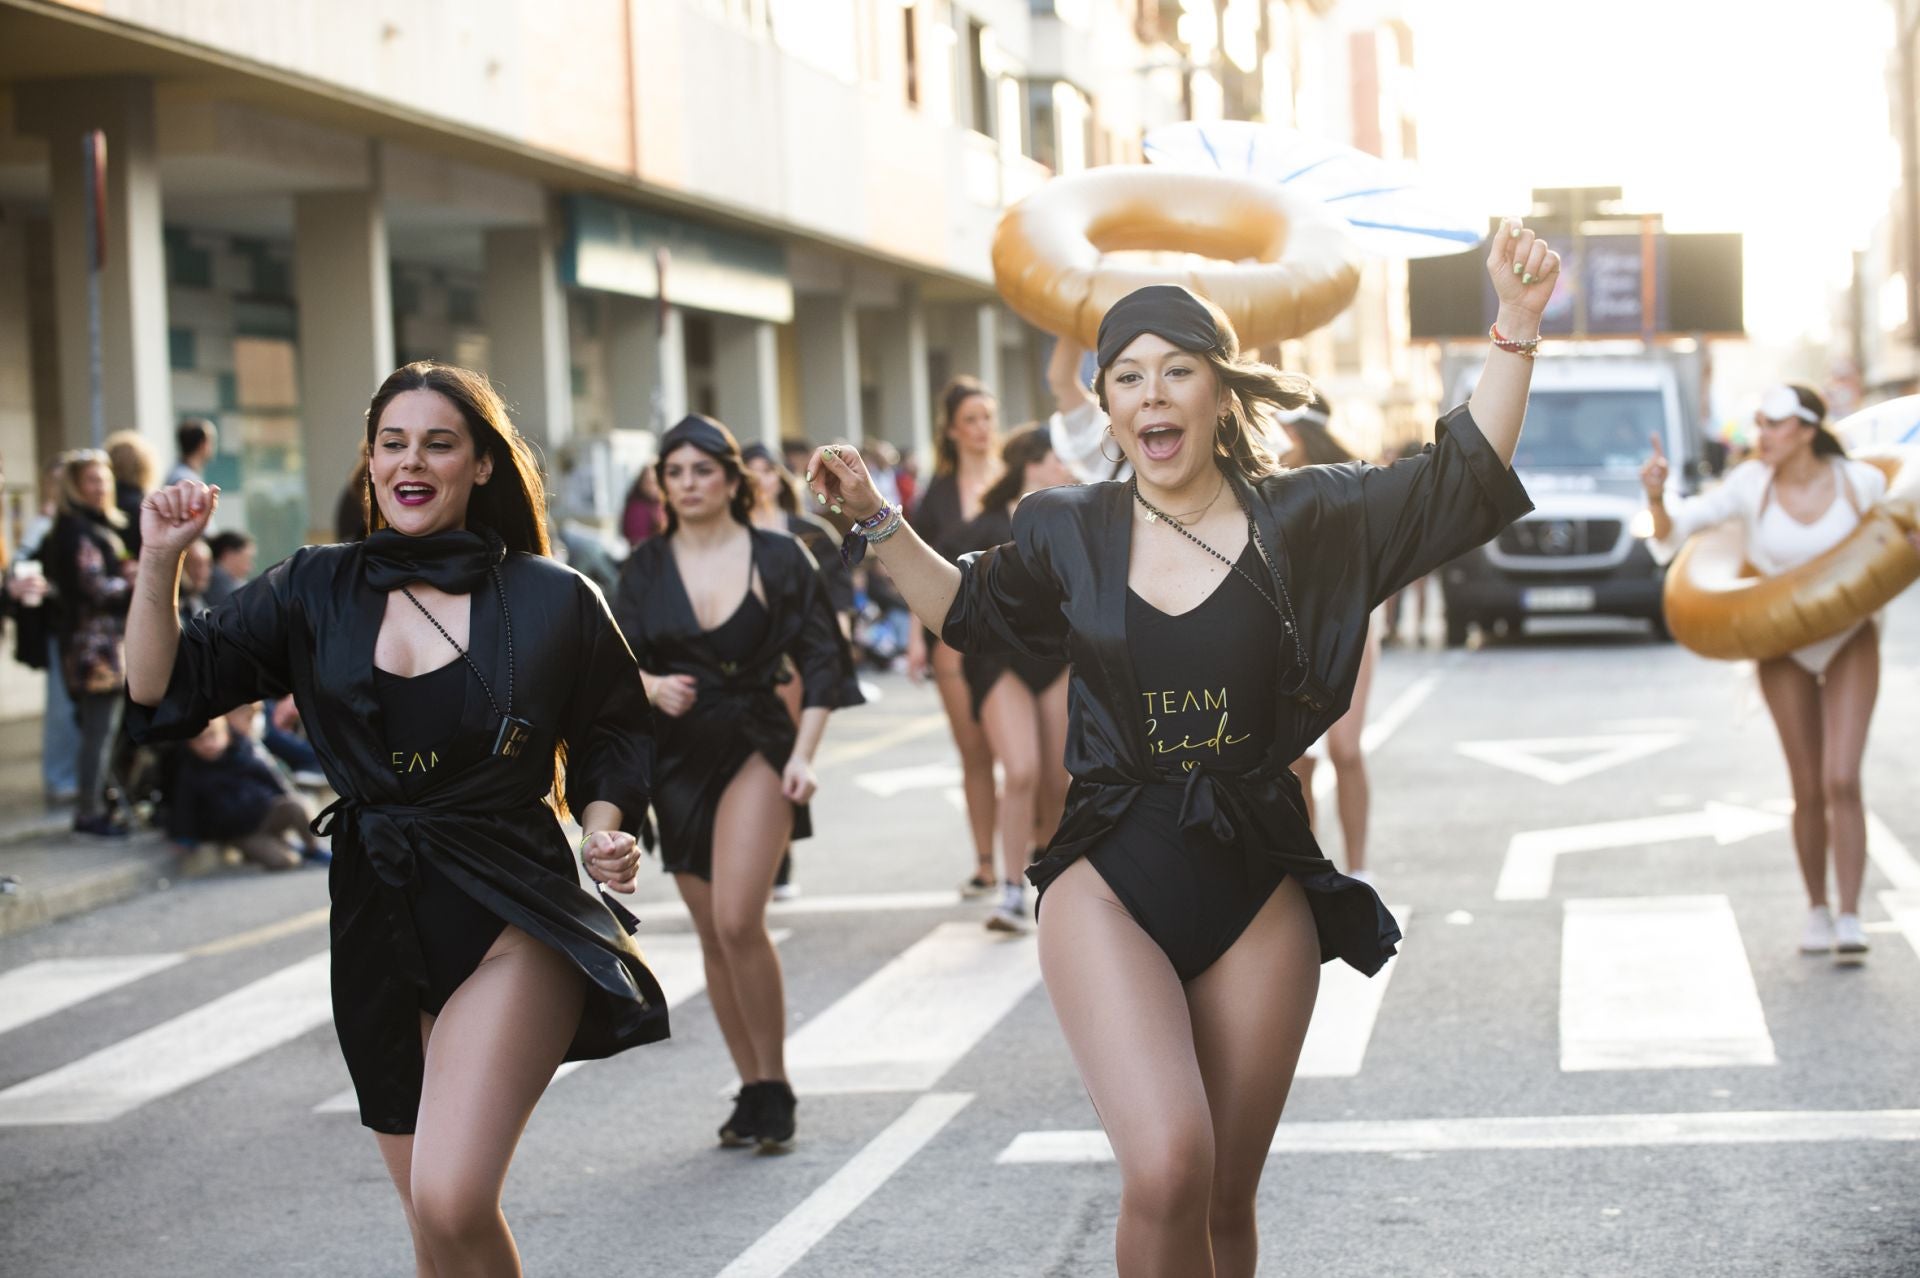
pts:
[1103, 448]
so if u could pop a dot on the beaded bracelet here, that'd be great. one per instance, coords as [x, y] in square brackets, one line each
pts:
[1527, 349]
[877, 527]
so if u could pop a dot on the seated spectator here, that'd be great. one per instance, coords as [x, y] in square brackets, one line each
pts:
[196, 575]
[232, 565]
[283, 739]
[224, 791]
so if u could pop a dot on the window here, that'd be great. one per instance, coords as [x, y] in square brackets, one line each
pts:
[978, 56]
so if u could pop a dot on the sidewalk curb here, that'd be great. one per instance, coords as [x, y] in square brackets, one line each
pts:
[144, 869]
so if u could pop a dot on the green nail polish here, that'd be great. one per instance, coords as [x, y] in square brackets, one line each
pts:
[1527, 278]
[834, 509]
[1517, 267]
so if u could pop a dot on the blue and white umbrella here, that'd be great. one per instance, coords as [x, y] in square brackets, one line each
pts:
[1390, 212]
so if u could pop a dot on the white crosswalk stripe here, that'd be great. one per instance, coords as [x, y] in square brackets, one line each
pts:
[177, 1053]
[1344, 1015]
[46, 986]
[1658, 983]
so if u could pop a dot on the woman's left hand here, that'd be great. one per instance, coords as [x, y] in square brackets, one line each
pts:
[612, 857]
[1523, 268]
[796, 783]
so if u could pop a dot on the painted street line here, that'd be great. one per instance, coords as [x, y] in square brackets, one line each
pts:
[1376, 733]
[1344, 1015]
[46, 986]
[923, 776]
[920, 726]
[1657, 983]
[1527, 872]
[850, 903]
[905, 1026]
[261, 935]
[788, 1242]
[1888, 853]
[1903, 906]
[178, 1053]
[675, 960]
[1529, 756]
[1460, 1135]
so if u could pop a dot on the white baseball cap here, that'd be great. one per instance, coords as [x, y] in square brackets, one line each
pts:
[1782, 402]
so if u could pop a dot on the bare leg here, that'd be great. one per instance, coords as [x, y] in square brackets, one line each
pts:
[1350, 763]
[268, 851]
[976, 756]
[492, 1053]
[750, 830]
[698, 894]
[1846, 704]
[1250, 1014]
[1011, 721]
[1053, 762]
[1125, 1018]
[397, 1153]
[1794, 698]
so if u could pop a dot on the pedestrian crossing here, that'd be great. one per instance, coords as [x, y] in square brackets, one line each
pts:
[1654, 983]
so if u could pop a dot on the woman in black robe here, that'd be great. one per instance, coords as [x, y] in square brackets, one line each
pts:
[715, 609]
[444, 668]
[1214, 609]
[1020, 703]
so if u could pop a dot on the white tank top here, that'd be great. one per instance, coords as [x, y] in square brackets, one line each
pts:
[1780, 542]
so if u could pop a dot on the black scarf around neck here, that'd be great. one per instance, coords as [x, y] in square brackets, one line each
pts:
[455, 560]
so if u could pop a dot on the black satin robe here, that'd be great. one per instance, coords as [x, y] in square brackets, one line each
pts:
[1344, 537]
[308, 626]
[737, 703]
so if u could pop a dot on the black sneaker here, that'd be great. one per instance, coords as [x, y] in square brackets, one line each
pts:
[776, 1117]
[100, 827]
[742, 1127]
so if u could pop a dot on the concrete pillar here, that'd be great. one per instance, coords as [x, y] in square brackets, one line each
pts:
[974, 342]
[341, 279]
[136, 388]
[529, 362]
[746, 376]
[906, 399]
[646, 364]
[17, 444]
[828, 332]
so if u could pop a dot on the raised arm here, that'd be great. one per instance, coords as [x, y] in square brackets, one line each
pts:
[838, 477]
[170, 521]
[1063, 376]
[1524, 272]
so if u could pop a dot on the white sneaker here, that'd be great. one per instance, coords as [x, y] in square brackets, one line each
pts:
[785, 891]
[1849, 940]
[1363, 876]
[1818, 936]
[1011, 914]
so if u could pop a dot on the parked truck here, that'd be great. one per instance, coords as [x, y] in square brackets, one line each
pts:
[1582, 550]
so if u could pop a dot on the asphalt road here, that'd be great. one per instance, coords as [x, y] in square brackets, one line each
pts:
[1599, 1053]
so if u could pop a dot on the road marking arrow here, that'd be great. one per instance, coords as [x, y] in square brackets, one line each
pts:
[1527, 872]
[1528, 756]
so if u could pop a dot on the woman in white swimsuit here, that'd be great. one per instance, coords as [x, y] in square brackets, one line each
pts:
[1798, 498]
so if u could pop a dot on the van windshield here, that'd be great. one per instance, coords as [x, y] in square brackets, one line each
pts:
[1590, 429]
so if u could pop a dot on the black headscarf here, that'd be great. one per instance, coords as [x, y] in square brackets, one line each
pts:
[1165, 310]
[707, 435]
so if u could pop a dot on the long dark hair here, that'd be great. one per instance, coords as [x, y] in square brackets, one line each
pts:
[787, 491]
[1244, 435]
[1023, 448]
[1313, 430]
[513, 502]
[954, 394]
[1825, 442]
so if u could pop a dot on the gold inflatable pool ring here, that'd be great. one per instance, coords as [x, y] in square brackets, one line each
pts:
[1283, 265]
[1717, 606]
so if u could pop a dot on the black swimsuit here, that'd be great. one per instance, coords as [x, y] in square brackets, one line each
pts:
[706, 751]
[1206, 679]
[422, 719]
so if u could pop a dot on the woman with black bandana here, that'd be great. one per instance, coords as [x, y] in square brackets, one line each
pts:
[714, 608]
[1214, 610]
[467, 961]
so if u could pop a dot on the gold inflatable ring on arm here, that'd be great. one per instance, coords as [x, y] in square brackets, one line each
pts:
[1283, 265]
[1716, 606]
